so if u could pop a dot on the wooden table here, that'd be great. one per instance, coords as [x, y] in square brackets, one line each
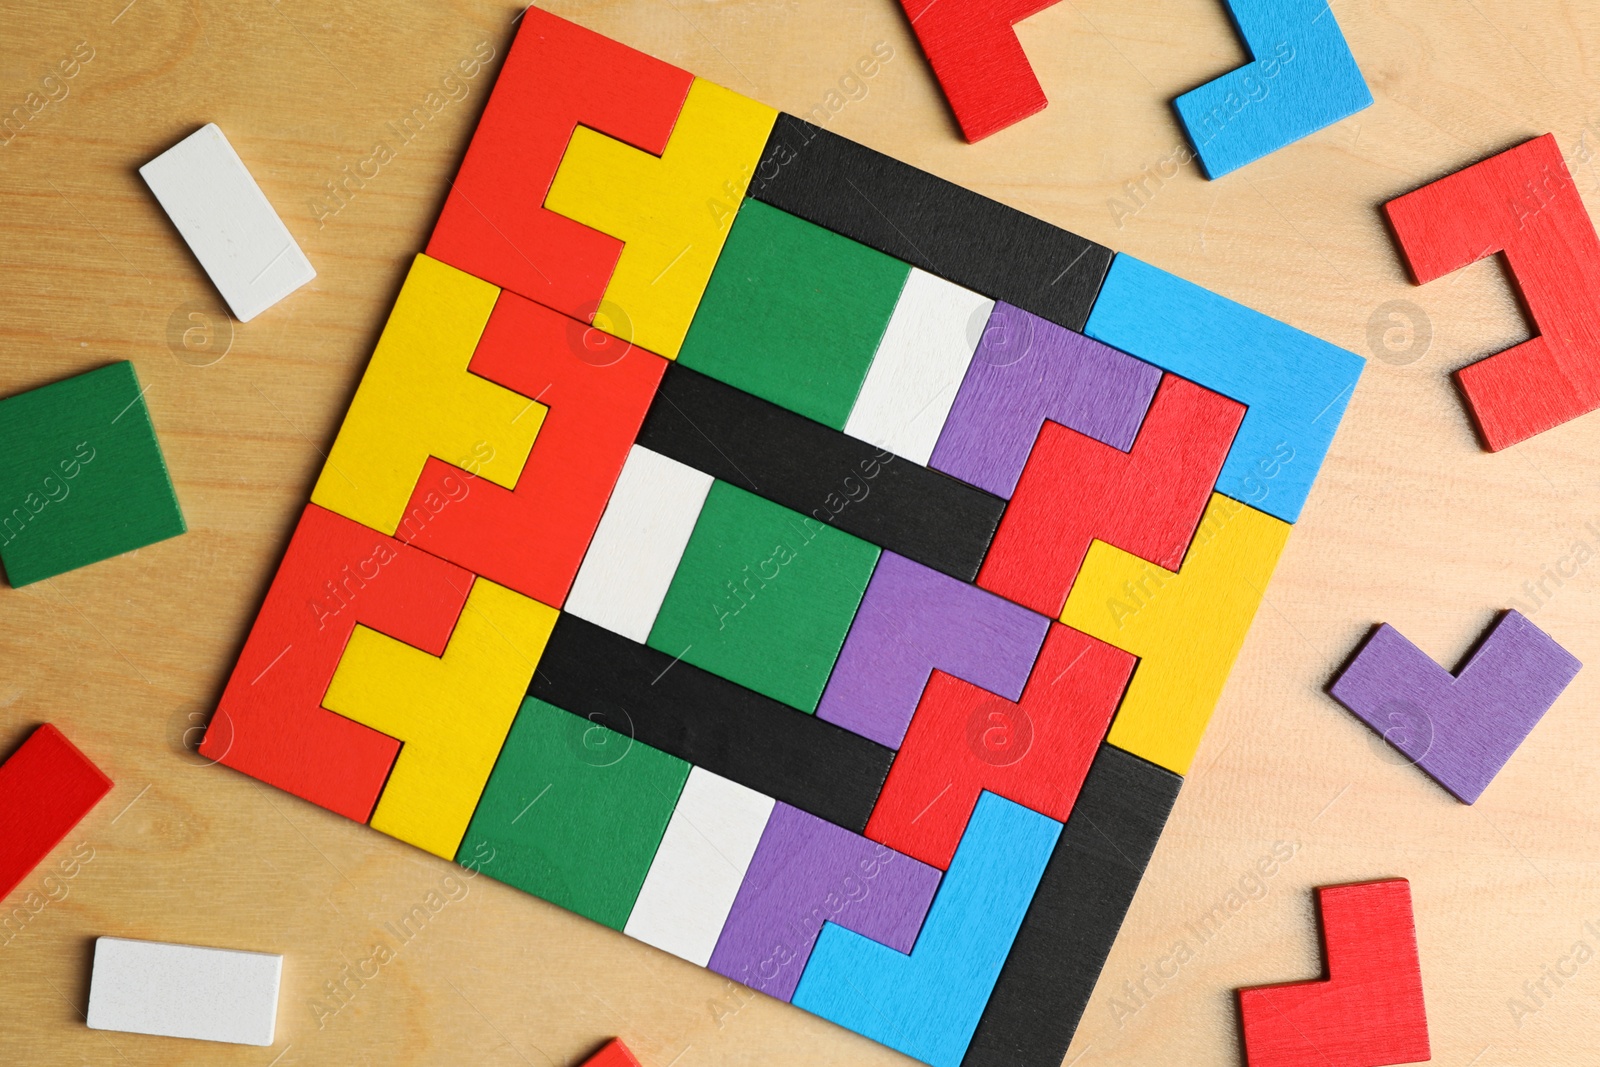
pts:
[1411, 522]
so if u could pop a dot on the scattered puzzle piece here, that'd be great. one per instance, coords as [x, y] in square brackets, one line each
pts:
[1027, 370]
[794, 313]
[270, 722]
[672, 212]
[1368, 1012]
[83, 479]
[911, 621]
[1301, 78]
[614, 1054]
[1294, 385]
[1460, 728]
[593, 391]
[927, 1004]
[204, 994]
[450, 712]
[806, 872]
[1186, 628]
[227, 222]
[975, 54]
[965, 740]
[1146, 501]
[699, 867]
[418, 399]
[1521, 202]
[574, 813]
[495, 224]
[46, 788]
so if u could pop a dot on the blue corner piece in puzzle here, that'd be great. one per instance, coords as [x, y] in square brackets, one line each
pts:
[1295, 386]
[927, 1004]
[1302, 78]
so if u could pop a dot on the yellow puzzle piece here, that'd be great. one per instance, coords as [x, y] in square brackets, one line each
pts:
[417, 399]
[672, 213]
[451, 714]
[1186, 628]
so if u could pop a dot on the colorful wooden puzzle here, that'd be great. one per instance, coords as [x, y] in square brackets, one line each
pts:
[1460, 728]
[745, 540]
[83, 479]
[46, 788]
[1523, 203]
[1368, 1011]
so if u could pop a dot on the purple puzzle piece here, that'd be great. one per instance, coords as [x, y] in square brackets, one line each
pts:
[806, 872]
[1026, 370]
[1459, 728]
[912, 620]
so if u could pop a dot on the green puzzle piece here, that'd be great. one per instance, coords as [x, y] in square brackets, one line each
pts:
[793, 313]
[573, 813]
[764, 596]
[82, 477]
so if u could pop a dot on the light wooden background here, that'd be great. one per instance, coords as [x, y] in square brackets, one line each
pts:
[1410, 522]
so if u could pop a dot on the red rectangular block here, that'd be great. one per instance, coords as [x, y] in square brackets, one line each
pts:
[597, 388]
[1521, 202]
[270, 722]
[46, 788]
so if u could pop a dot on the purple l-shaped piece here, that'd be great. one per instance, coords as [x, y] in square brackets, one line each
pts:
[1026, 370]
[1459, 728]
[912, 620]
[806, 872]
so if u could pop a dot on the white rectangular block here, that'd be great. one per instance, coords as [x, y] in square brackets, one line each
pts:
[918, 367]
[699, 867]
[638, 544]
[209, 994]
[227, 221]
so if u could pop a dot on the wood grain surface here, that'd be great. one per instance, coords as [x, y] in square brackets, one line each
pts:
[1410, 523]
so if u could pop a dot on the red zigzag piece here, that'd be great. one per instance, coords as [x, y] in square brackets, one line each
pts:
[1075, 490]
[1369, 1011]
[1521, 202]
[270, 723]
[975, 54]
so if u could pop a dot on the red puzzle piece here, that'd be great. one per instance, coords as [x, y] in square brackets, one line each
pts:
[614, 1054]
[975, 54]
[1368, 1012]
[557, 76]
[964, 739]
[270, 723]
[46, 788]
[1521, 202]
[1075, 490]
[597, 389]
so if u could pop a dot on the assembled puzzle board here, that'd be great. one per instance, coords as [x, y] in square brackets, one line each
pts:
[781, 555]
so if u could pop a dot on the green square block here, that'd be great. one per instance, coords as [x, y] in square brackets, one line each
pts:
[793, 313]
[82, 479]
[573, 813]
[764, 596]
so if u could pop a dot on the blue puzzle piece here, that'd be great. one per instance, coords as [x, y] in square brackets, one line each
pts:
[927, 1004]
[1296, 386]
[1303, 78]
